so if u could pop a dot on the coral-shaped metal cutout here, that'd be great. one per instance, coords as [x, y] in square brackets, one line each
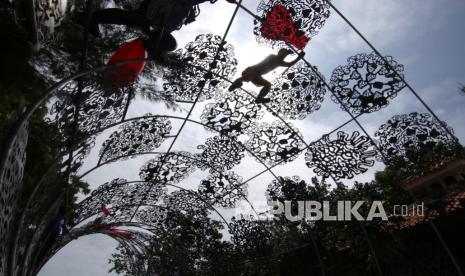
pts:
[220, 153]
[341, 158]
[297, 93]
[186, 201]
[169, 168]
[139, 136]
[97, 108]
[290, 22]
[275, 143]
[152, 216]
[409, 132]
[207, 63]
[223, 189]
[232, 115]
[366, 83]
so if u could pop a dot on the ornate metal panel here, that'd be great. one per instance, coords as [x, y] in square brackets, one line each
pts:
[98, 107]
[308, 17]
[220, 153]
[154, 216]
[410, 131]
[186, 201]
[274, 143]
[366, 83]
[11, 181]
[343, 157]
[135, 137]
[297, 93]
[223, 189]
[204, 65]
[233, 115]
[168, 169]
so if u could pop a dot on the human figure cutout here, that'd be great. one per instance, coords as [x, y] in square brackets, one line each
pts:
[254, 74]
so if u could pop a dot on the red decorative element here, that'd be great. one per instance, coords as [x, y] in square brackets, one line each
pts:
[105, 210]
[124, 74]
[278, 25]
[119, 233]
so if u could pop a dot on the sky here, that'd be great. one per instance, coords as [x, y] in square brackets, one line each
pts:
[426, 36]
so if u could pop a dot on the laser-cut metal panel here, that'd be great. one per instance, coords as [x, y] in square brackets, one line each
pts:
[153, 216]
[220, 153]
[297, 93]
[409, 132]
[274, 143]
[119, 197]
[186, 201]
[232, 115]
[309, 16]
[366, 83]
[223, 189]
[98, 107]
[341, 158]
[135, 137]
[186, 81]
[11, 181]
[171, 168]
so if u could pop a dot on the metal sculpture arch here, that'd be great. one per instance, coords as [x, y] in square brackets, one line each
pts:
[85, 108]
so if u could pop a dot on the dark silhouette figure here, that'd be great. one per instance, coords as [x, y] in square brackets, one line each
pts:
[152, 15]
[254, 73]
[156, 18]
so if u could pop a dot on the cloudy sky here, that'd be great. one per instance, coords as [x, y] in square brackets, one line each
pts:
[426, 36]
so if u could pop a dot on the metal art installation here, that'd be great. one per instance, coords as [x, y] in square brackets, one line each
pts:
[135, 137]
[297, 93]
[409, 132]
[233, 115]
[366, 83]
[290, 22]
[170, 168]
[341, 158]
[220, 153]
[204, 66]
[275, 143]
[140, 213]
[222, 189]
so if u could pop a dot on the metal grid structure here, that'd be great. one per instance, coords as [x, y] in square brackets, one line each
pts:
[83, 110]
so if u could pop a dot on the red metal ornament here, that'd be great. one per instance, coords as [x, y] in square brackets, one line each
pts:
[278, 25]
[126, 73]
